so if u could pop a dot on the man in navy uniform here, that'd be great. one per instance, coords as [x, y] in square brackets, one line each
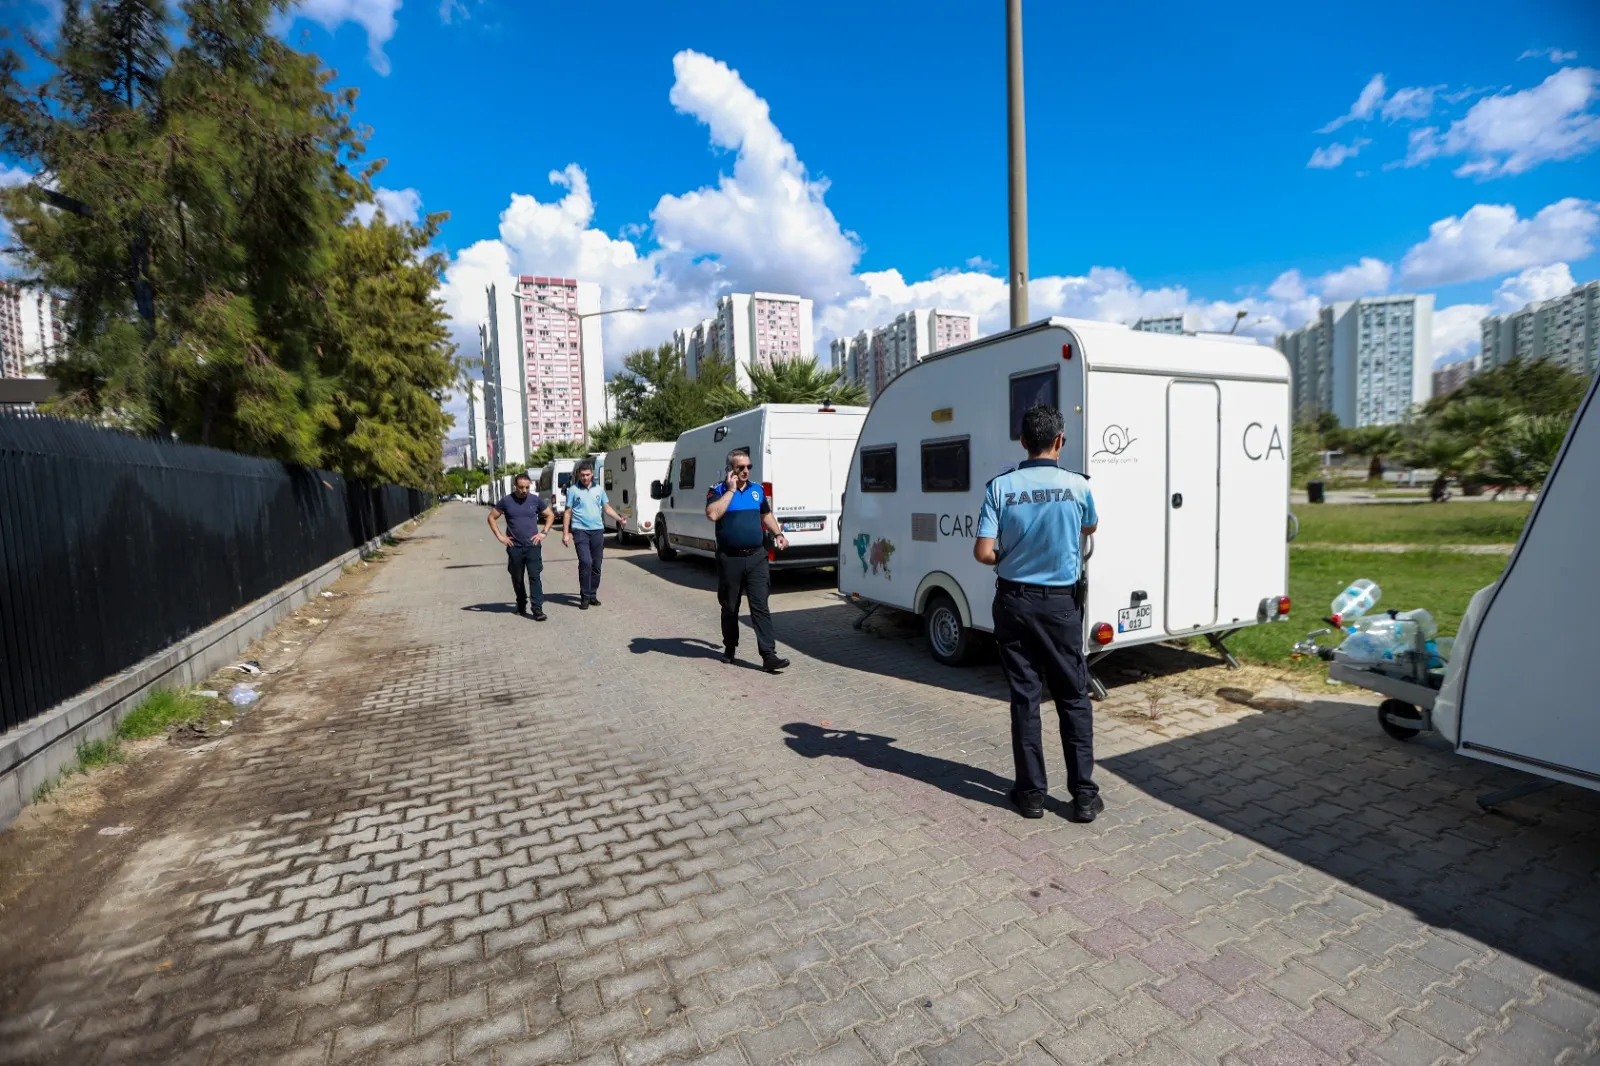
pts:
[1030, 530]
[523, 539]
[743, 515]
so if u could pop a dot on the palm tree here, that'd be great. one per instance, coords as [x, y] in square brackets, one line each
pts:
[549, 451]
[609, 436]
[802, 381]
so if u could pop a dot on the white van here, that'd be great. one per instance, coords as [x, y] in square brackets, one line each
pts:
[627, 477]
[799, 453]
[553, 482]
[1186, 443]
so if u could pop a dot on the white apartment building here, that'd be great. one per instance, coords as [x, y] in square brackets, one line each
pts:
[1368, 360]
[749, 327]
[1565, 330]
[874, 358]
[32, 331]
[1179, 324]
[562, 367]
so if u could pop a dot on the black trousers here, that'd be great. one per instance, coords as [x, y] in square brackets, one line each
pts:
[591, 546]
[1040, 638]
[526, 559]
[739, 576]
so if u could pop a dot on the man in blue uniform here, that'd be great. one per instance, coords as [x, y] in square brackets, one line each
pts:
[582, 521]
[1030, 530]
[523, 539]
[743, 515]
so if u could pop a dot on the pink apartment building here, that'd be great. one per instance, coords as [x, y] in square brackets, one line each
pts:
[561, 358]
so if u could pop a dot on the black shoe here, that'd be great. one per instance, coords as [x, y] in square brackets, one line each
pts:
[1029, 804]
[583, 605]
[539, 616]
[522, 609]
[727, 655]
[773, 663]
[594, 601]
[1085, 808]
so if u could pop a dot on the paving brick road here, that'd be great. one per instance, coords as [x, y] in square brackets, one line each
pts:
[452, 835]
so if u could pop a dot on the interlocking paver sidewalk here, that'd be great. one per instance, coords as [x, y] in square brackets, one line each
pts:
[453, 835]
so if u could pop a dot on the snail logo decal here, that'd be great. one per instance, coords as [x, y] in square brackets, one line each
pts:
[1113, 442]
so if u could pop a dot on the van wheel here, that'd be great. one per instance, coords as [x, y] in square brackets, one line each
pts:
[1400, 709]
[664, 549]
[949, 642]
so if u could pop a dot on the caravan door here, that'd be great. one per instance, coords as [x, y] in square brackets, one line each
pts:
[1194, 426]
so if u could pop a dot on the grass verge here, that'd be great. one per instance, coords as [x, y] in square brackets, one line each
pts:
[1443, 582]
[161, 710]
[1492, 522]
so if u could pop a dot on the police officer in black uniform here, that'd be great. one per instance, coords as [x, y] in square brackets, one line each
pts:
[1031, 531]
[744, 517]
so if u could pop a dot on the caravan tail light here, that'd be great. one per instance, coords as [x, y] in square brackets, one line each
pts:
[1102, 633]
[1283, 605]
[1066, 351]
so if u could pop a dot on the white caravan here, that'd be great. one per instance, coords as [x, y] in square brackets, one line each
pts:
[627, 477]
[1186, 443]
[553, 482]
[799, 453]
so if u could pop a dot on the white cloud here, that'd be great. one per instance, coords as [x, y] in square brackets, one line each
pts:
[1335, 154]
[1555, 55]
[377, 17]
[1457, 333]
[1411, 103]
[1534, 284]
[399, 205]
[978, 262]
[10, 176]
[1510, 133]
[1491, 239]
[1359, 279]
[1365, 106]
[1288, 286]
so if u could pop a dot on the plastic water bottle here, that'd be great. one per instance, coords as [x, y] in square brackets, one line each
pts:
[1362, 596]
[1423, 621]
[1366, 646]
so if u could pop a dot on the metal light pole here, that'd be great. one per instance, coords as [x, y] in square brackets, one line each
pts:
[1017, 164]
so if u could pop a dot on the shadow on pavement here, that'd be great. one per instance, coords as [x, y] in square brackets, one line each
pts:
[686, 648]
[691, 571]
[878, 753]
[1323, 787]
[492, 608]
[468, 566]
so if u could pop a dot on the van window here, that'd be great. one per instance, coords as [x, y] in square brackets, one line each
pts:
[1030, 390]
[686, 474]
[564, 480]
[544, 480]
[624, 495]
[608, 480]
[624, 464]
[878, 469]
[947, 465]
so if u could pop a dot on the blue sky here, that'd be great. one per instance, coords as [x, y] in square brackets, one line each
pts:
[855, 153]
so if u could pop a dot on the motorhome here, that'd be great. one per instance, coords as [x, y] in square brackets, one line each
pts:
[627, 477]
[1185, 441]
[553, 482]
[799, 453]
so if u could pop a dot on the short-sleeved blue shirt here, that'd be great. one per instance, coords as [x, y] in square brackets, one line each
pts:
[587, 505]
[740, 527]
[522, 519]
[1036, 513]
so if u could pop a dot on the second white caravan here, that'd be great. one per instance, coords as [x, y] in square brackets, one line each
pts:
[627, 477]
[799, 453]
[1185, 441]
[553, 482]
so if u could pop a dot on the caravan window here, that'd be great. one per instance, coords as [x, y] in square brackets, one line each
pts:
[1030, 390]
[608, 479]
[624, 464]
[879, 469]
[686, 474]
[947, 465]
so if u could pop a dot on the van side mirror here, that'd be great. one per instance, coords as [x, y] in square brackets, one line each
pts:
[658, 491]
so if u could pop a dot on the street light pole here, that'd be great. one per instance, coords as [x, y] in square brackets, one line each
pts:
[1017, 164]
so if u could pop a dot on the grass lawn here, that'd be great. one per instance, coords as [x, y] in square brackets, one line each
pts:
[1442, 582]
[1489, 522]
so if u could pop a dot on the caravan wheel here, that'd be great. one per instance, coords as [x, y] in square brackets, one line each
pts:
[664, 549]
[1399, 709]
[949, 642]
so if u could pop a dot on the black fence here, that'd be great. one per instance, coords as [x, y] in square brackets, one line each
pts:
[113, 547]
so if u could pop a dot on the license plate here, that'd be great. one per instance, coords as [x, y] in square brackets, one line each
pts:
[804, 526]
[1132, 618]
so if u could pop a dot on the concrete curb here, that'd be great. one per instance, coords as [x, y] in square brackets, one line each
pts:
[39, 749]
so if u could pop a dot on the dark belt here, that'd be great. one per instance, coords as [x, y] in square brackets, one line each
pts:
[739, 553]
[1044, 590]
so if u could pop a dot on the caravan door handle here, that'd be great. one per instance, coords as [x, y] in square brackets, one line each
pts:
[1177, 499]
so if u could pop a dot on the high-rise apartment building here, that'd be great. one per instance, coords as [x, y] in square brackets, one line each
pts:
[749, 327]
[494, 418]
[560, 358]
[1368, 360]
[32, 331]
[1565, 330]
[1178, 324]
[873, 358]
[1449, 378]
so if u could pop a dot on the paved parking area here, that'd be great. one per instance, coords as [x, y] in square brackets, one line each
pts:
[452, 835]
